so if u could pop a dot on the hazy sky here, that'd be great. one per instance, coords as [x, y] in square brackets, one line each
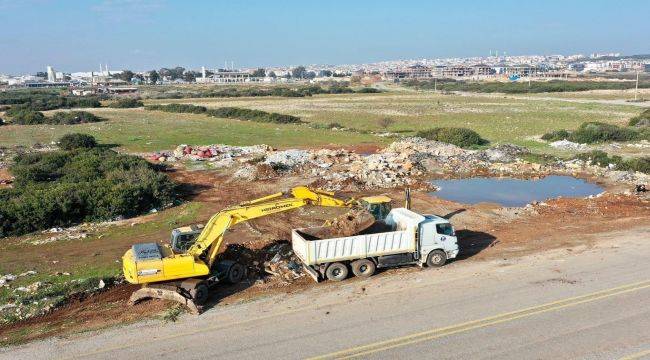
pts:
[145, 34]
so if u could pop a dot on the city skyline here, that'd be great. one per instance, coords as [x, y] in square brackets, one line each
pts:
[292, 33]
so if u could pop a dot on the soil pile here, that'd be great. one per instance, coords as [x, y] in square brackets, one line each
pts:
[351, 223]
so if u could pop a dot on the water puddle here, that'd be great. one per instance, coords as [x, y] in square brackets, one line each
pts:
[513, 192]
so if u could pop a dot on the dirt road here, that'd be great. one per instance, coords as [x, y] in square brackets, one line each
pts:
[583, 303]
[557, 98]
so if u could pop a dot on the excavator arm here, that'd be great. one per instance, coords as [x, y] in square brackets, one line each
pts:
[212, 235]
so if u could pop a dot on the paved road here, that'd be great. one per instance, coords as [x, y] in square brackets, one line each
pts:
[586, 303]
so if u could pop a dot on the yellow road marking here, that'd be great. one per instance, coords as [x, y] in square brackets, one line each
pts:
[476, 324]
[635, 356]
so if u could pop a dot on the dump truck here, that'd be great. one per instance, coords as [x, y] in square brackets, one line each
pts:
[404, 237]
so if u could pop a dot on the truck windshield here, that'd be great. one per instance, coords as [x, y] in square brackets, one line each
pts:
[445, 229]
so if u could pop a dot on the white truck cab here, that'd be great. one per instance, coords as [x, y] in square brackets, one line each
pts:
[437, 233]
[432, 233]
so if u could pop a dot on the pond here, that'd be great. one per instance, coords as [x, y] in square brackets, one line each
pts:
[513, 192]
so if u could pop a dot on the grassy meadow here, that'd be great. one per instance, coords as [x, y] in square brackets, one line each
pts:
[500, 119]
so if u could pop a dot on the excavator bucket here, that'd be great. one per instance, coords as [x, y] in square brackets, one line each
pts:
[155, 292]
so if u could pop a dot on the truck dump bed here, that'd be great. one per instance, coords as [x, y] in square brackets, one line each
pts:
[312, 250]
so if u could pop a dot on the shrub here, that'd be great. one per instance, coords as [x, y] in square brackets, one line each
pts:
[23, 116]
[229, 113]
[458, 136]
[77, 141]
[643, 120]
[72, 117]
[385, 122]
[368, 90]
[253, 115]
[39, 100]
[2, 122]
[593, 132]
[61, 188]
[179, 108]
[556, 135]
[600, 158]
[126, 103]
[641, 164]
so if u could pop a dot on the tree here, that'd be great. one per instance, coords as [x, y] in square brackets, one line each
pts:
[174, 73]
[154, 76]
[310, 75]
[272, 74]
[325, 73]
[190, 76]
[259, 73]
[298, 72]
[77, 141]
[126, 75]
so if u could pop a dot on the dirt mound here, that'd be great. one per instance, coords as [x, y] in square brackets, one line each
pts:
[351, 223]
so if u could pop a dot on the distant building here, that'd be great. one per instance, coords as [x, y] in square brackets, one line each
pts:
[478, 70]
[223, 76]
[521, 70]
[411, 72]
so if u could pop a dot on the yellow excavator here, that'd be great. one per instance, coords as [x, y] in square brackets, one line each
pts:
[185, 269]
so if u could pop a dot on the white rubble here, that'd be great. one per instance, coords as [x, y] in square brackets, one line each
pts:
[567, 145]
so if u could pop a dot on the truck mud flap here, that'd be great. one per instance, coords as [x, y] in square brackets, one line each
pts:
[314, 275]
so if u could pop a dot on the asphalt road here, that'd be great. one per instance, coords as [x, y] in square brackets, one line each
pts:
[579, 304]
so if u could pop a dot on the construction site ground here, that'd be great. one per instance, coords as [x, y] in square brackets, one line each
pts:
[485, 232]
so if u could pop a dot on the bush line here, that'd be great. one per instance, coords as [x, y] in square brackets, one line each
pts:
[229, 112]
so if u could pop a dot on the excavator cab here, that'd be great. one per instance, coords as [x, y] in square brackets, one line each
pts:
[379, 206]
[184, 237]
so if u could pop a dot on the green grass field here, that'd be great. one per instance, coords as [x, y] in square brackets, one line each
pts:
[499, 119]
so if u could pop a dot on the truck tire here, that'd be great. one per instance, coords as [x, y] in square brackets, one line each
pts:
[436, 258]
[336, 271]
[363, 268]
[199, 294]
[236, 273]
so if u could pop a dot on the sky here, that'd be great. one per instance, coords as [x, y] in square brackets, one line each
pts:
[78, 35]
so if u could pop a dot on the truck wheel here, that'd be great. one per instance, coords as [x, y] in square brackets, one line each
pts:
[336, 271]
[199, 294]
[363, 268]
[436, 258]
[236, 273]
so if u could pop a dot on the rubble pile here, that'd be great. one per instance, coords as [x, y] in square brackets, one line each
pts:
[275, 262]
[505, 153]
[220, 155]
[287, 159]
[402, 163]
[282, 263]
[568, 145]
